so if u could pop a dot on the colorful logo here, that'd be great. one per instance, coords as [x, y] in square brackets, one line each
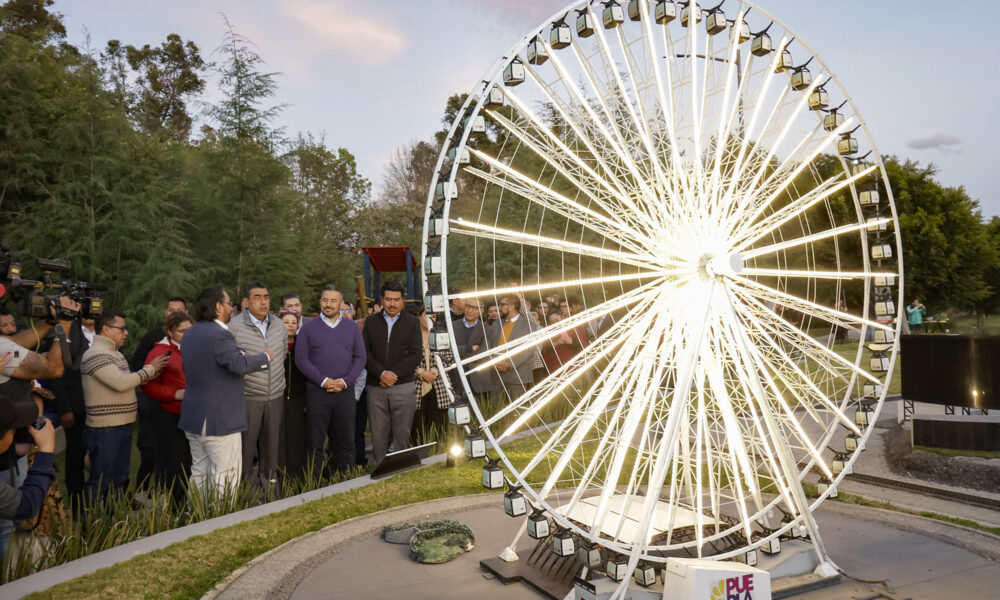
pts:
[734, 588]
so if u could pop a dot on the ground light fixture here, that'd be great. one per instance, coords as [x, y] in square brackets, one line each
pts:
[453, 453]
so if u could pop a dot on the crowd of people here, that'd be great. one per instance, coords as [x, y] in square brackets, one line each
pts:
[226, 391]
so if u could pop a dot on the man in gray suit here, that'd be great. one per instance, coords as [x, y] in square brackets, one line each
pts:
[470, 336]
[515, 373]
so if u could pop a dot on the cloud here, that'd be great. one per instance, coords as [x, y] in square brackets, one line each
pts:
[937, 141]
[370, 40]
[522, 13]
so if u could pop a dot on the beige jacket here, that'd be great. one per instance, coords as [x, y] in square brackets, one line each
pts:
[109, 385]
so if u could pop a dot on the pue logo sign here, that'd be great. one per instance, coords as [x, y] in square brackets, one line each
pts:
[734, 588]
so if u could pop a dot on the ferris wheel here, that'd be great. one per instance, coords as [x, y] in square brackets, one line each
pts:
[703, 190]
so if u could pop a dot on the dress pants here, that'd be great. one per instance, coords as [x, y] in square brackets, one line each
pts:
[391, 413]
[360, 425]
[215, 460]
[262, 437]
[294, 438]
[330, 414]
[76, 450]
[172, 460]
[146, 439]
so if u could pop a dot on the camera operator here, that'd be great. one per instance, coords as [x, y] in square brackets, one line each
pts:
[24, 501]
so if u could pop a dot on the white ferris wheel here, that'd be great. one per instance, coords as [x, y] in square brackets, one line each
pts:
[702, 183]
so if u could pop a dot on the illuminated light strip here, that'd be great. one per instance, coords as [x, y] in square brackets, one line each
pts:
[827, 314]
[798, 206]
[790, 178]
[561, 284]
[516, 237]
[836, 231]
[815, 274]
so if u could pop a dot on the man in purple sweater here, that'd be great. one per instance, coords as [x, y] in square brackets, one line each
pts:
[331, 354]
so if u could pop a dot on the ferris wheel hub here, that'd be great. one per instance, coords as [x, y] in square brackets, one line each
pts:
[719, 266]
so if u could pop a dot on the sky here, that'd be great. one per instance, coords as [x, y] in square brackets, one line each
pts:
[373, 75]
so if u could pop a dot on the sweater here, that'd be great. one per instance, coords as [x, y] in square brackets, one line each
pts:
[109, 386]
[164, 387]
[324, 352]
[268, 384]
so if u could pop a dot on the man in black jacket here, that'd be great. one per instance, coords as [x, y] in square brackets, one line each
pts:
[71, 409]
[394, 345]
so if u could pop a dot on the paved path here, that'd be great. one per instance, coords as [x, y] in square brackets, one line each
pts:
[348, 560]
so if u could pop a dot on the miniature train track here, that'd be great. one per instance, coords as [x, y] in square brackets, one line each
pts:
[926, 490]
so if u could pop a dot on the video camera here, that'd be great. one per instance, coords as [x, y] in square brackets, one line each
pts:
[36, 303]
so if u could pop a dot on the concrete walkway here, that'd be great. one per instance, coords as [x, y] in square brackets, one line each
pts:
[349, 560]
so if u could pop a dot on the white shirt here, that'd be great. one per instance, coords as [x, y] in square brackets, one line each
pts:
[330, 323]
[222, 325]
[261, 325]
[389, 322]
[89, 335]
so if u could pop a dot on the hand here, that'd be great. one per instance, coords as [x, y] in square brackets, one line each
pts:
[503, 367]
[45, 438]
[270, 355]
[329, 385]
[388, 379]
[67, 420]
[179, 395]
[5, 358]
[159, 363]
[338, 385]
[429, 375]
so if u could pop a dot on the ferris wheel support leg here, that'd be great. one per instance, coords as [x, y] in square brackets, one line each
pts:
[785, 459]
[509, 554]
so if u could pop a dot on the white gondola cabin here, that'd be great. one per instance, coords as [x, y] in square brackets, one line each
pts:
[740, 34]
[886, 308]
[563, 544]
[537, 54]
[589, 555]
[772, 547]
[560, 36]
[432, 265]
[664, 12]
[459, 413]
[784, 62]
[514, 503]
[761, 45]
[494, 97]
[881, 336]
[476, 124]
[863, 416]
[616, 567]
[435, 227]
[716, 23]
[875, 226]
[851, 442]
[749, 558]
[801, 79]
[879, 364]
[475, 446]
[884, 281]
[881, 251]
[438, 338]
[868, 198]
[434, 302]
[613, 15]
[493, 477]
[832, 121]
[635, 9]
[691, 9]
[513, 73]
[872, 391]
[645, 575]
[847, 145]
[819, 99]
[461, 155]
[584, 24]
[538, 526]
[446, 190]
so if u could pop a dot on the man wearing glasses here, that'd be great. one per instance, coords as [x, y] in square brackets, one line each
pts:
[109, 397]
[516, 373]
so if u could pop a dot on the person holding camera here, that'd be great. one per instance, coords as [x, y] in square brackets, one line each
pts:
[24, 501]
[109, 393]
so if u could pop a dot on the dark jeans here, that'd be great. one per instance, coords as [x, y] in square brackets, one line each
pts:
[331, 414]
[360, 425]
[172, 456]
[429, 416]
[76, 450]
[916, 328]
[110, 449]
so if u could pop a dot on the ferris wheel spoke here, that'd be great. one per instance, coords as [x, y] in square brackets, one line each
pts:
[808, 239]
[809, 340]
[849, 275]
[557, 154]
[497, 234]
[610, 228]
[506, 351]
[762, 332]
[795, 208]
[830, 315]
[563, 284]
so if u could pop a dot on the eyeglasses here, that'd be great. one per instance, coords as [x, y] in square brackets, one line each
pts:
[229, 302]
[122, 327]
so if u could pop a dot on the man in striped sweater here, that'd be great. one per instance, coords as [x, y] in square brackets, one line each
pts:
[109, 396]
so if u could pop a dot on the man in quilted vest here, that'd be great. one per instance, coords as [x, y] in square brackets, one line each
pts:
[256, 329]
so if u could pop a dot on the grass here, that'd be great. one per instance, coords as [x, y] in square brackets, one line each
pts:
[953, 453]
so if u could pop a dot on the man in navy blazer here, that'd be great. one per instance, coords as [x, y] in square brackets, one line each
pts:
[213, 411]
